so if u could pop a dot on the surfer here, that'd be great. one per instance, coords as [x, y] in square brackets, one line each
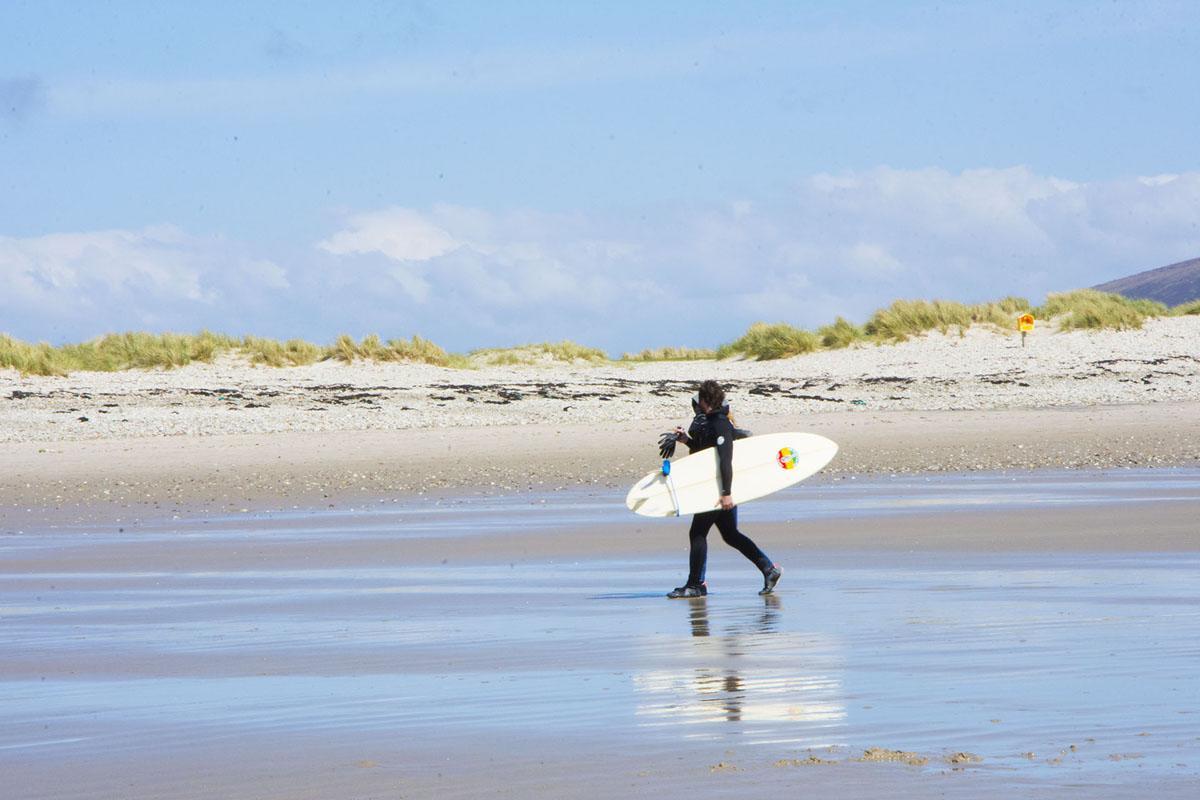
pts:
[713, 428]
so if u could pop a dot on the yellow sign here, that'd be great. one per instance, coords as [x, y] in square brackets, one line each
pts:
[1025, 323]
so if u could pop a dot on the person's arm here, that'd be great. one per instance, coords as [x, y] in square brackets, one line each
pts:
[724, 440]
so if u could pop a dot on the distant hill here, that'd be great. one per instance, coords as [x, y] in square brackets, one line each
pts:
[1173, 284]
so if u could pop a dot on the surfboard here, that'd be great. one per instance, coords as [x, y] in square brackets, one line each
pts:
[762, 465]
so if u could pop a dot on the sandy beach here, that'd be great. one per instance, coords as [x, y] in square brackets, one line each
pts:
[980, 369]
[402, 581]
[229, 436]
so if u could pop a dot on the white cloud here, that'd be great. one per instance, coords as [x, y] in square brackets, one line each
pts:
[398, 233]
[989, 232]
[838, 245]
[119, 279]
[79, 267]
[519, 260]
[841, 244]
[869, 260]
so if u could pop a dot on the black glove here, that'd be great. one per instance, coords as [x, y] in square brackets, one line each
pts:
[666, 444]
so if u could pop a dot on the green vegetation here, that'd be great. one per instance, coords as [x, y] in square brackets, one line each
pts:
[765, 342]
[840, 333]
[273, 353]
[905, 318]
[371, 348]
[117, 351]
[112, 352]
[1089, 309]
[30, 359]
[546, 352]
[1186, 309]
[672, 354]
[149, 351]
[422, 350]
[1082, 309]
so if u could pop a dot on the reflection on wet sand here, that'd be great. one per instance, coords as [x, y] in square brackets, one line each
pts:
[738, 666]
[131, 663]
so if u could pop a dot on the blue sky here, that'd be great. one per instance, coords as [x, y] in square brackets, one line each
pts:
[623, 174]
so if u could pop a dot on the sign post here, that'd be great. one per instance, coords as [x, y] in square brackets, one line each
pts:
[1024, 325]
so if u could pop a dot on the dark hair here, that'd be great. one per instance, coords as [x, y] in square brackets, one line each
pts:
[712, 394]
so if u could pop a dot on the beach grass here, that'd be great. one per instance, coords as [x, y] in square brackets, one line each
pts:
[113, 352]
[121, 351]
[765, 342]
[672, 354]
[907, 318]
[372, 348]
[1088, 309]
[1186, 309]
[904, 319]
[565, 352]
[1084, 309]
[274, 353]
[31, 359]
[840, 333]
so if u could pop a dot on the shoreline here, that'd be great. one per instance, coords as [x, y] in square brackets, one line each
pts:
[93, 481]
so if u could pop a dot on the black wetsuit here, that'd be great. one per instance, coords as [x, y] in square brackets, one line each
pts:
[715, 430]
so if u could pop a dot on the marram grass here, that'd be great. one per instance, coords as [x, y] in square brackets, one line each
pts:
[1089, 309]
[566, 352]
[1186, 309]
[903, 319]
[840, 333]
[1082, 309]
[274, 353]
[672, 354]
[765, 342]
[122, 351]
[113, 352]
[372, 348]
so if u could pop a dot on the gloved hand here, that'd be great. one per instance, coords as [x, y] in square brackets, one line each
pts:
[666, 444]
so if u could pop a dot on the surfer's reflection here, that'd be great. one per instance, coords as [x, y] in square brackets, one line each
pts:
[723, 687]
[741, 669]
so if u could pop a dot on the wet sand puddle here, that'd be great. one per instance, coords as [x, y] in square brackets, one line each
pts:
[1055, 670]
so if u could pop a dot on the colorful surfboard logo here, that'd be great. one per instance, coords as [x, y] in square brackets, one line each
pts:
[788, 458]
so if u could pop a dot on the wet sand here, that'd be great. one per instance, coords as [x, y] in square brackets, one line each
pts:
[1000, 635]
[124, 480]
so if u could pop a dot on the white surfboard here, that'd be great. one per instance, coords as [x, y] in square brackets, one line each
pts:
[761, 465]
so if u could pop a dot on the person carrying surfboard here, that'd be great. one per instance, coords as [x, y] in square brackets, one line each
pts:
[713, 428]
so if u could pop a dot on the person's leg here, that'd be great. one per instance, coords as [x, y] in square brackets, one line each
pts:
[727, 525]
[698, 556]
